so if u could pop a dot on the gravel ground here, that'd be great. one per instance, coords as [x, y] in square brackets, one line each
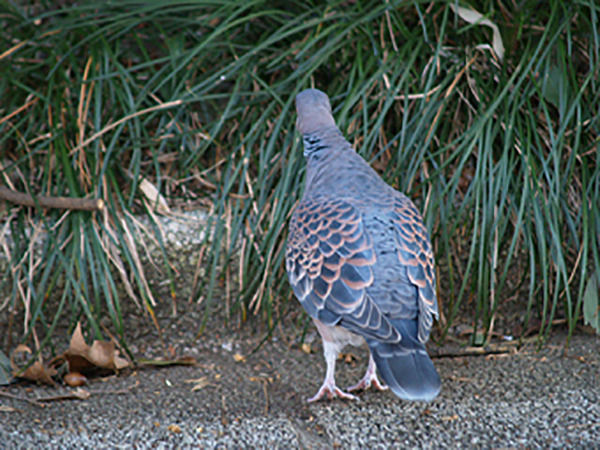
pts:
[521, 398]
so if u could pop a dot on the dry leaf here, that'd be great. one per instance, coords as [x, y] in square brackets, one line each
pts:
[81, 394]
[77, 344]
[472, 16]
[194, 380]
[102, 354]
[306, 348]
[199, 383]
[239, 358]
[154, 196]
[199, 386]
[36, 372]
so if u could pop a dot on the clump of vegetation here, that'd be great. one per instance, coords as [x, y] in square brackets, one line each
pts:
[497, 141]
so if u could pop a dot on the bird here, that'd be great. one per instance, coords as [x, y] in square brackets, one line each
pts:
[359, 259]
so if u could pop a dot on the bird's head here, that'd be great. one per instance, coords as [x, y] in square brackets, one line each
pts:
[314, 111]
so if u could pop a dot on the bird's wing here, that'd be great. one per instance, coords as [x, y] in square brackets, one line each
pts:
[329, 261]
[414, 252]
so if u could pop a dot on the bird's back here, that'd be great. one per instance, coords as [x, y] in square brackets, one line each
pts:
[386, 213]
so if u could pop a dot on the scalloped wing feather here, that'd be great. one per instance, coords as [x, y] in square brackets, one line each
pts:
[329, 261]
[415, 252]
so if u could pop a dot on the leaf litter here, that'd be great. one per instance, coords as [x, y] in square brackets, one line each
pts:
[81, 360]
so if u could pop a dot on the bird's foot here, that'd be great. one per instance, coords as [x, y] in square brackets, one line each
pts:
[331, 391]
[370, 379]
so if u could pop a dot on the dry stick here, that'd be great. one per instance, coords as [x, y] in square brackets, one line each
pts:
[418, 96]
[476, 351]
[389, 24]
[18, 110]
[197, 274]
[85, 204]
[448, 92]
[23, 399]
[124, 119]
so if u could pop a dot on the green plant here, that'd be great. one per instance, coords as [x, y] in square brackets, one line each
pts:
[197, 98]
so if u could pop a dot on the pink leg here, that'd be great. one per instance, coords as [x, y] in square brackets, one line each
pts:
[328, 388]
[369, 379]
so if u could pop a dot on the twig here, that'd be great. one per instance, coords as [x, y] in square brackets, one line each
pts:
[23, 399]
[19, 109]
[20, 198]
[476, 351]
[417, 96]
[83, 394]
[458, 76]
[264, 382]
[469, 353]
[122, 120]
[197, 273]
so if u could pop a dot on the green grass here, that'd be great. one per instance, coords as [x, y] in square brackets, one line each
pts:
[197, 98]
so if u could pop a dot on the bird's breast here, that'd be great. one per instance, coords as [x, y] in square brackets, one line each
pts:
[338, 335]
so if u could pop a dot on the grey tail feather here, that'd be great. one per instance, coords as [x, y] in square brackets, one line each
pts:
[409, 372]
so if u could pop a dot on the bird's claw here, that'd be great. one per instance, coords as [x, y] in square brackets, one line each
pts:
[366, 382]
[331, 391]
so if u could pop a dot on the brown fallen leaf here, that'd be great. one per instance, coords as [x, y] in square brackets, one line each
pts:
[239, 358]
[154, 196]
[80, 357]
[35, 372]
[81, 394]
[102, 354]
[199, 383]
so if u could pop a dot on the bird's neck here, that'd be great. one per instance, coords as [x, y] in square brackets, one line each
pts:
[338, 168]
[320, 142]
[322, 149]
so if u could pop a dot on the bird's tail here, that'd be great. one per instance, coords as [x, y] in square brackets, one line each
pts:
[405, 366]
